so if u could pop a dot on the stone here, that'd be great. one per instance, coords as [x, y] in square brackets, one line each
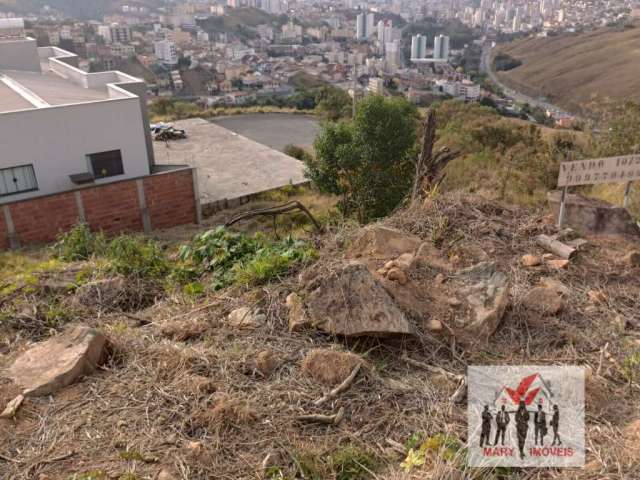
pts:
[329, 367]
[107, 293]
[543, 300]
[350, 302]
[558, 264]
[404, 261]
[433, 325]
[266, 362]
[439, 279]
[428, 256]
[530, 260]
[596, 296]
[556, 285]
[593, 216]
[246, 318]
[298, 318]
[397, 275]
[488, 298]
[453, 302]
[632, 259]
[382, 243]
[49, 366]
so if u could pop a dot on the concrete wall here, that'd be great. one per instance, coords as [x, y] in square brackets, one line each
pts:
[163, 200]
[19, 55]
[56, 140]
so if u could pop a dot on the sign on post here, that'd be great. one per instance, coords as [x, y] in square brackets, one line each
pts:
[598, 170]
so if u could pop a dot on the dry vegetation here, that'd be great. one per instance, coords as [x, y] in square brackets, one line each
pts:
[184, 391]
[571, 68]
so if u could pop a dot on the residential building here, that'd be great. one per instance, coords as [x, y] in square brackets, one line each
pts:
[364, 25]
[376, 86]
[166, 52]
[120, 33]
[63, 127]
[418, 47]
[441, 48]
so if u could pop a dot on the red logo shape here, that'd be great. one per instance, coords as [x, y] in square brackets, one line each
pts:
[522, 393]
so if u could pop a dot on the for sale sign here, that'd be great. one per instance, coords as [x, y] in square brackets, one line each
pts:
[526, 416]
[599, 170]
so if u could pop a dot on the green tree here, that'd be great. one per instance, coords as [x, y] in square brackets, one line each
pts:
[368, 160]
[333, 103]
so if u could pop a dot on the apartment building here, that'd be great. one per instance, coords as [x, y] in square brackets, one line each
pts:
[62, 127]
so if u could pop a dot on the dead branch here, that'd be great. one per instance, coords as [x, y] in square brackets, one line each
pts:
[431, 368]
[344, 386]
[274, 211]
[556, 247]
[334, 419]
[461, 392]
[429, 168]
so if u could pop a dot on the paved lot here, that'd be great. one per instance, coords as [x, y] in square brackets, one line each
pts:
[229, 165]
[275, 130]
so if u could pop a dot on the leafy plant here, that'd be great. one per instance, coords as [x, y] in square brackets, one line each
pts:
[237, 258]
[135, 256]
[631, 367]
[79, 243]
[352, 463]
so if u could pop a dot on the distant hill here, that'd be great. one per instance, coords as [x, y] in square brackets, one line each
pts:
[81, 9]
[238, 21]
[569, 69]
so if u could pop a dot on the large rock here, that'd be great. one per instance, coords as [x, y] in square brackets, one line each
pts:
[379, 242]
[298, 318]
[107, 293]
[487, 296]
[593, 216]
[60, 361]
[351, 302]
[245, 318]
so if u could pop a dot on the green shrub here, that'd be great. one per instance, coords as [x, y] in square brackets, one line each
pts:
[352, 463]
[79, 243]
[135, 256]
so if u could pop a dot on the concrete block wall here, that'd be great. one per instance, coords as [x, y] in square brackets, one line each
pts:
[156, 201]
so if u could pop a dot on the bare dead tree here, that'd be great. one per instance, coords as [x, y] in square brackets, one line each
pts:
[429, 167]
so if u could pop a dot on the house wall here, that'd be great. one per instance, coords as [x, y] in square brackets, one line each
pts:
[20, 55]
[161, 200]
[56, 140]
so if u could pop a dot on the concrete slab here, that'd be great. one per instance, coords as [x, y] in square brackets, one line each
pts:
[229, 165]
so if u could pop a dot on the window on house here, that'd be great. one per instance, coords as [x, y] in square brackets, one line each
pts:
[17, 180]
[106, 164]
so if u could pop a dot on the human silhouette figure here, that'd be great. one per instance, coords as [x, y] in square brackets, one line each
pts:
[522, 426]
[502, 420]
[486, 426]
[540, 424]
[555, 423]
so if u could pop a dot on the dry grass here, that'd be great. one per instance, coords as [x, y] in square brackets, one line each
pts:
[570, 68]
[190, 404]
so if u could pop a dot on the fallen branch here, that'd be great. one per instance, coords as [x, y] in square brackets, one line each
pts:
[556, 247]
[461, 392]
[274, 211]
[396, 446]
[344, 386]
[431, 368]
[334, 419]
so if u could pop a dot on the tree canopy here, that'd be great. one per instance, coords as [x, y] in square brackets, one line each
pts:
[367, 161]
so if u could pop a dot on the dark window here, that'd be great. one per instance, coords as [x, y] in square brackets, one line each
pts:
[17, 180]
[106, 164]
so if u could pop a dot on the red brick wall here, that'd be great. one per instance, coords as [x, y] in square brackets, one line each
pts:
[112, 208]
[41, 219]
[178, 187]
[4, 235]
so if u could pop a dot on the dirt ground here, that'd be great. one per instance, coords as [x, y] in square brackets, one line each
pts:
[180, 392]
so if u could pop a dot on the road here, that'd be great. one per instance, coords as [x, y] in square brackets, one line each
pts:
[485, 67]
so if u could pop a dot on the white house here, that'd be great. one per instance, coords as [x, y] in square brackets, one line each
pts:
[61, 127]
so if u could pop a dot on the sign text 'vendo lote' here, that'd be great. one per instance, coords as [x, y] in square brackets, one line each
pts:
[599, 170]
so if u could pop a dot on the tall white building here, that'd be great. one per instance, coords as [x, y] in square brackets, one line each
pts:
[364, 25]
[441, 48]
[418, 47]
[166, 52]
